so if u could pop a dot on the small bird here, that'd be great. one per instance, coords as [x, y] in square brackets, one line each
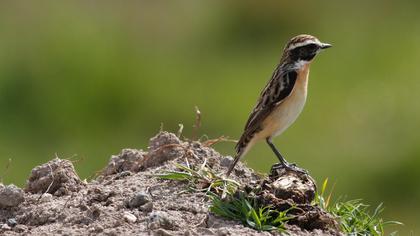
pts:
[282, 99]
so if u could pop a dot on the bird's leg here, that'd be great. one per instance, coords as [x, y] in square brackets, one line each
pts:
[283, 163]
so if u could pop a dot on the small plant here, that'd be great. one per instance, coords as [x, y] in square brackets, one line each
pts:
[355, 219]
[354, 216]
[240, 208]
[203, 179]
[224, 202]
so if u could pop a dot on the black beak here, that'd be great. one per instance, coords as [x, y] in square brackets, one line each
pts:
[325, 45]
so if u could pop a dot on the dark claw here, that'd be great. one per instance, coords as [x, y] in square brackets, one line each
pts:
[290, 167]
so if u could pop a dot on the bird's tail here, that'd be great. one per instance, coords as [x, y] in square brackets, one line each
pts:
[235, 160]
[242, 148]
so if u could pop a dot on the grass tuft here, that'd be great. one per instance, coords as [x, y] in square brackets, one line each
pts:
[224, 202]
[240, 208]
[204, 179]
[354, 216]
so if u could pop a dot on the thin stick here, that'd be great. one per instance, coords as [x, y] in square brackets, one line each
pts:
[49, 186]
[211, 142]
[181, 128]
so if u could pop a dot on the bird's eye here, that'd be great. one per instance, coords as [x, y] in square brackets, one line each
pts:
[311, 46]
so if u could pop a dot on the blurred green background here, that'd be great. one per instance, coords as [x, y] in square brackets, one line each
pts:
[85, 79]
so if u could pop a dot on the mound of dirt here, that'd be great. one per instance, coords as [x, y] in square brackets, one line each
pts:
[128, 199]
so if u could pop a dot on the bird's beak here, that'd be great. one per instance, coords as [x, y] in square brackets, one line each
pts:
[325, 45]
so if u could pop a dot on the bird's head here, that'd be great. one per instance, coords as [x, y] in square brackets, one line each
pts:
[302, 49]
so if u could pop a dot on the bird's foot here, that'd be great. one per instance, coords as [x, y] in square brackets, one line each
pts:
[278, 167]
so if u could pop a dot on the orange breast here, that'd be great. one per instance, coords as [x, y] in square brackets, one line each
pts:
[289, 109]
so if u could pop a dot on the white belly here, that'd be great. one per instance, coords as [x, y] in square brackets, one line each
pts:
[287, 113]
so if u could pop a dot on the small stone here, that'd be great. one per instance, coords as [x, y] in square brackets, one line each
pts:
[130, 160]
[223, 232]
[160, 219]
[96, 229]
[99, 228]
[161, 139]
[226, 161]
[130, 218]
[58, 176]
[12, 222]
[163, 147]
[111, 232]
[148, 207]
[123, 174]
[20, 228]
[293, 185]
[139, 199]
[5, 227]
[162, 232]
[46, 197]
[10, 196]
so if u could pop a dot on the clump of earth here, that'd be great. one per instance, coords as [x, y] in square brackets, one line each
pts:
[128, 199]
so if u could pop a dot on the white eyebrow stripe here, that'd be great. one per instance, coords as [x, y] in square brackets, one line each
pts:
[306, 42]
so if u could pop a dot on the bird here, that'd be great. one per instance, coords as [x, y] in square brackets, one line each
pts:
[282, 99]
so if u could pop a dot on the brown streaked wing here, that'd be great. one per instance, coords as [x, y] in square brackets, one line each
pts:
[278, 88]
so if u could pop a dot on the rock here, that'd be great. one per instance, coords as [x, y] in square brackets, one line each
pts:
[5, 227]
[148, 207]
[130, 218]
[11, 222]
[160, 219]
[128, 160]
[163, 147]
[139, 199]
[10, 196]
[20, 228]
[123, 174]
[57, 177]
[161, 139]
[226, 161]
[162, 232]
[111, 232]
[292, 184]
[315, 218]
[46, 197]
[96, 229]
[285, 188]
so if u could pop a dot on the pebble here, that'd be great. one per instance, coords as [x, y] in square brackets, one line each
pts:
[148, 207]
[130, 218]
[139, 199]
[5, 227]
[12, 222]
[20, 228]
[226, 161]
[162, 232]
[46, 197]
[160, 219]
[10, 196]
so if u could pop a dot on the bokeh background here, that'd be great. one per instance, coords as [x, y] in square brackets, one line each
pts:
[84, 79]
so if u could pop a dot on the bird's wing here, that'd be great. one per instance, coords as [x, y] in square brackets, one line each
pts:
[277, 89]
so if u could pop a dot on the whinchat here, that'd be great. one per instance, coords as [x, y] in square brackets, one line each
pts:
[282, 99]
